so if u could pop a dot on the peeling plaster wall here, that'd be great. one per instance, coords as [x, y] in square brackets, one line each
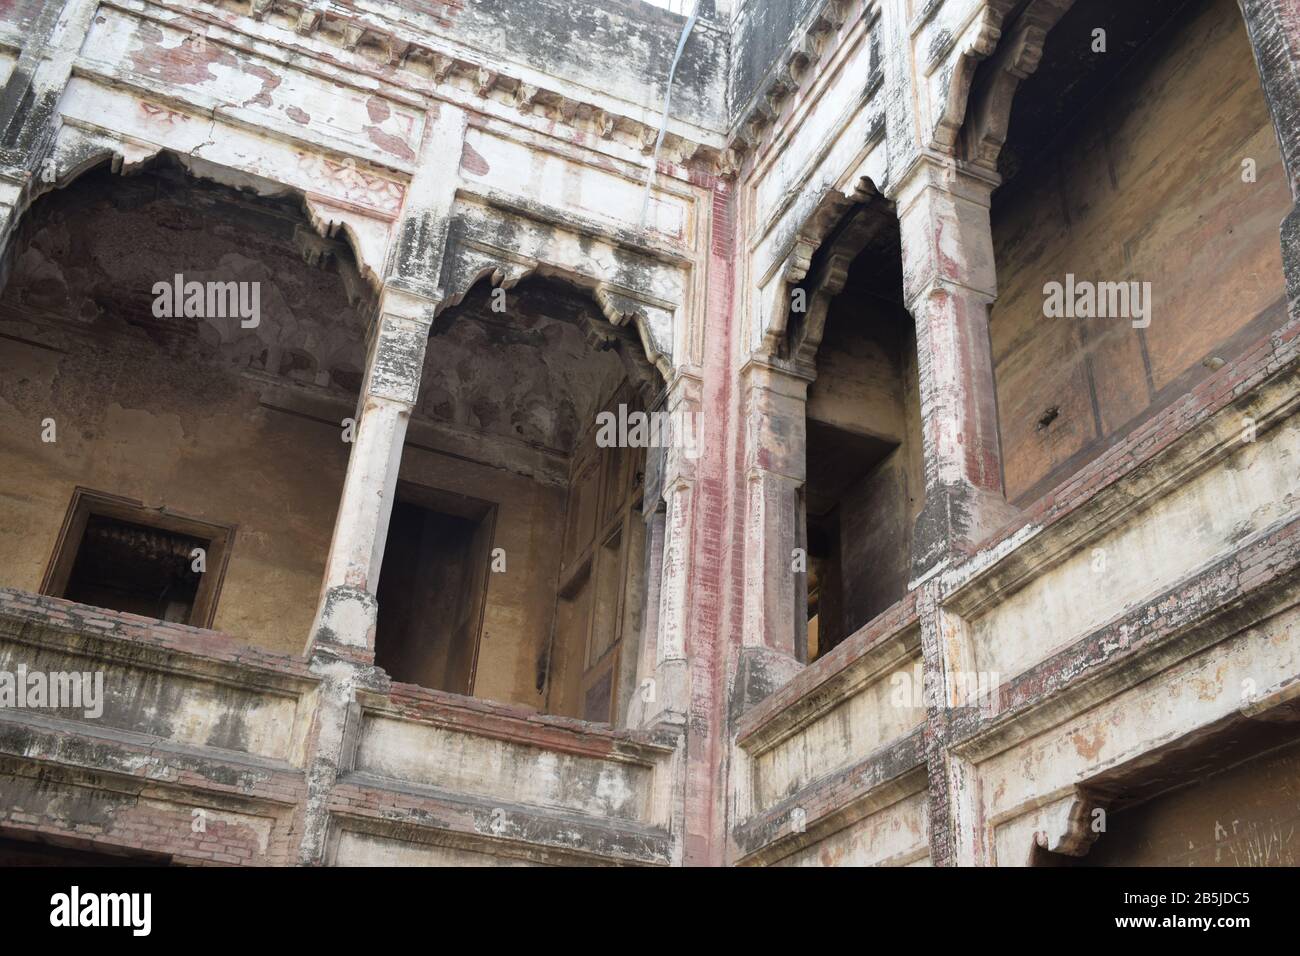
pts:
[1195, 693]
[182, 709]
[253, 87]
[482, 767]
[1207, 515]
[366, 849]
[876, 715]
[193, 725]
[895, 836]
[20, 12]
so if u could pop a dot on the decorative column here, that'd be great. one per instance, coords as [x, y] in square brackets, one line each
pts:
[347, 610]
[411, 295]
[948, 284]
[774, 629]
[642, 707]
[341, 649]
[668, 704]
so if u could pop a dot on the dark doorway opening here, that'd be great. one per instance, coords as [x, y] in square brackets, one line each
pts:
[33, 852]
[864, 471]
[432, 587]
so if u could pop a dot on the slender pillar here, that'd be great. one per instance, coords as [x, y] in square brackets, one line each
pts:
[341, 649]
[949, 284]
[641, 705]
[348, 607]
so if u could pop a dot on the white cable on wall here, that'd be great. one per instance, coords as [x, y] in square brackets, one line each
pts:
[663, 123]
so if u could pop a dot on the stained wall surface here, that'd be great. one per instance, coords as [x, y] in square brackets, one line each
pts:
[1147, 186]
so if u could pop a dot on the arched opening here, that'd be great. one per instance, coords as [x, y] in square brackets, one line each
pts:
[865, 483]
[516, 557]
[1136, 229]
[170, 415]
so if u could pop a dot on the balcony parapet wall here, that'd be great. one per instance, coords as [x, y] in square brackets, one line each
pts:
[1167, 571]
[199, 745]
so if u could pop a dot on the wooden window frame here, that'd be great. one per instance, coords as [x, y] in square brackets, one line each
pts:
[87, 502]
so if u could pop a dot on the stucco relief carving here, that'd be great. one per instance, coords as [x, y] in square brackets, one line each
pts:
[793, 268]
[347, 180]
[954, 63]
[1017, 56]
[631, 289]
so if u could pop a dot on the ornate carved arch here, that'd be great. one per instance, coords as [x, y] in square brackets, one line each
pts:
[78, 151]
[977, 43]
[993, 91]
[835, 217]
[640, 291]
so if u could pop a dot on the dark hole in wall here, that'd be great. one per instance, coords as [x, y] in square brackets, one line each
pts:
[135, 568]
[825, 587]
[431, 589]
[858, 551]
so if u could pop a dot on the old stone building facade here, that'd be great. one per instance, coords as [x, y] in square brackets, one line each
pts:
[967, 532]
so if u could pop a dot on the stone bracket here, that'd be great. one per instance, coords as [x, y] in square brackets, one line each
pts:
[1069, 825]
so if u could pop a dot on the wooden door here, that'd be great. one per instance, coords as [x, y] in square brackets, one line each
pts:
[599, 610]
